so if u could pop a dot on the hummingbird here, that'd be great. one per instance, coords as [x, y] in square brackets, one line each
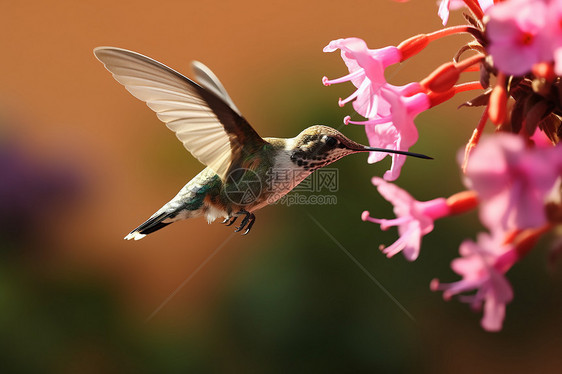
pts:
[244, 172]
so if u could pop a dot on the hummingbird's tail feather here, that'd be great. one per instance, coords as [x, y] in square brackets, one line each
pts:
[154, 223]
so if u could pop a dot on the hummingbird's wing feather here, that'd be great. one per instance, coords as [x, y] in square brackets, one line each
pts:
[208, 127]
[206, 78]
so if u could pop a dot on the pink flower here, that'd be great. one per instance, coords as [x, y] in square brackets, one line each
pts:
[555, 31]
[540, 139]
[518, 35]
[413, 218]
[384, 135]
[393, 126]
[366, 72]
[482, 267]
[384, 104]
[446, 5]
[485, 4]
[512, 181]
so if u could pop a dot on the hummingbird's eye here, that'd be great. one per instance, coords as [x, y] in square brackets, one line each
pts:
[331, 141]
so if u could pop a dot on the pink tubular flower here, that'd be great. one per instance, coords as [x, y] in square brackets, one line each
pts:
[413, 218]
[366, 71]
[555, 31]
[393, 127]
[447, 5]
[512, 181]
[384, 135]
[482, 267]
[518, 35]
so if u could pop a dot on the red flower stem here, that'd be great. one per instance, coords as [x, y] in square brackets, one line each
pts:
[475, 8]
[446, 32]
[474, 139]
[436, 98]
[510, 236]
[472, 68]
[469, 62]
[498, 101]
[417, 43]
[526, 239]
[468, 86]
[522, 240]
[445, 76]
[462, 202]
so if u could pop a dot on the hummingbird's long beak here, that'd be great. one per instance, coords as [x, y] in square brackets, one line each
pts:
[418, 155]
[363, 148]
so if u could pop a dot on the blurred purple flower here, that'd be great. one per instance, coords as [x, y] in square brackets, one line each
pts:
[30, 191]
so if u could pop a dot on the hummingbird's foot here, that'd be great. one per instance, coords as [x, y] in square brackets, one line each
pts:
[229, 221]
[252, 220]
[248, 220]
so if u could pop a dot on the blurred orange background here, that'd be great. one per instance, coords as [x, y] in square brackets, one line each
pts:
[60, 107]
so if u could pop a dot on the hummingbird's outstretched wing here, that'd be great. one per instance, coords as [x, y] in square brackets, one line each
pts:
[205, 119]
[206, 78]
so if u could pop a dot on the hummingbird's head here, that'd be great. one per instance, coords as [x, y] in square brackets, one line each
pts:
[318, 146]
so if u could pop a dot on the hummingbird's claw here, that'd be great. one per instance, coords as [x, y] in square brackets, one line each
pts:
[247, 222]
[232, 220]
[242, 224]
[252, 220]
[225, 220]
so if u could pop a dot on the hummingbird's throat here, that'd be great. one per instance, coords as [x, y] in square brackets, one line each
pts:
[312, 162]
